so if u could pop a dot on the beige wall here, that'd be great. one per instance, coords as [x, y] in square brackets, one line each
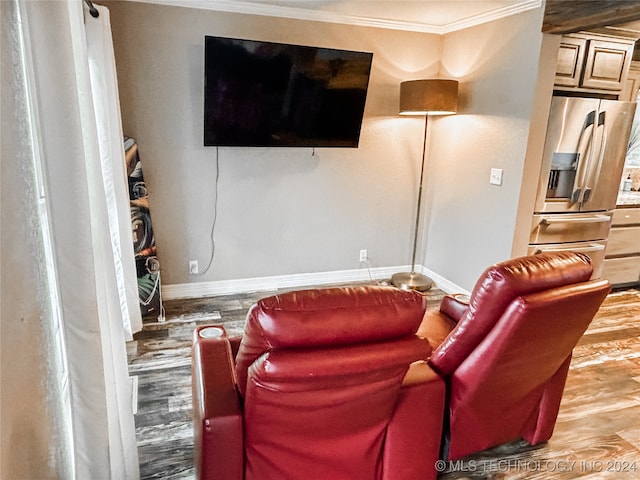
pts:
[280, 210]
[286, 211]
[472, 223]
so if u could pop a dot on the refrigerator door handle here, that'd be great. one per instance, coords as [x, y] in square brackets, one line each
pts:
[575, 196]
[592, 178]
[585, 141]
[591, 247]
[589, 219]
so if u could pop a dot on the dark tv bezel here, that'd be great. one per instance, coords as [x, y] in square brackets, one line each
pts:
[300, 142]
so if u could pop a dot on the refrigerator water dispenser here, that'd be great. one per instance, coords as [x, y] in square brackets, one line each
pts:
[562, 174]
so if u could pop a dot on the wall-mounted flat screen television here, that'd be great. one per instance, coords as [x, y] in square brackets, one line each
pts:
[264, 94]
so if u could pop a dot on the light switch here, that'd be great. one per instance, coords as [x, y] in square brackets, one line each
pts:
[496, 176]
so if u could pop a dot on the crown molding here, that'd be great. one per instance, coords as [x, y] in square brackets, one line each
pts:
[497, 14]
[262, 9]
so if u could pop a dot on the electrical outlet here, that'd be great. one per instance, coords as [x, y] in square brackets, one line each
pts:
[193, 267]
[363, 255]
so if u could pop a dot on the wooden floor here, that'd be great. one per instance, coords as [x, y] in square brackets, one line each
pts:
[597, 435]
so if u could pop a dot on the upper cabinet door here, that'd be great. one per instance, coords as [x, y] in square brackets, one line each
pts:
[607, 64]
[592, 63]
[570, 61]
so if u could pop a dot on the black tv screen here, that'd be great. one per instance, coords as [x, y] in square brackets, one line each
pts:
[264, 94]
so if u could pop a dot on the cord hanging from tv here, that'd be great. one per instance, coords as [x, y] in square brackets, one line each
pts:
[264, 94]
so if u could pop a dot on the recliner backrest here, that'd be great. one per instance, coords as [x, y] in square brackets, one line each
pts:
[320, 372]
[327, 318]
[496, 289]
[323, 411]
[511, 384]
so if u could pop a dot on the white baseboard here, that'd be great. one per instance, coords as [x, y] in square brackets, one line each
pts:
[266, 284]
[443, 284]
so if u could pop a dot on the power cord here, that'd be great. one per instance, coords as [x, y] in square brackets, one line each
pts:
[215, 215]
[368, 264]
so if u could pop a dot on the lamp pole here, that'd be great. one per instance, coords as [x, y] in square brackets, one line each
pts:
[423, 97]
[412, 280]
[415, 235]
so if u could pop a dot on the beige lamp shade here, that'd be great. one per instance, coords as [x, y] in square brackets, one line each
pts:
[429, 97]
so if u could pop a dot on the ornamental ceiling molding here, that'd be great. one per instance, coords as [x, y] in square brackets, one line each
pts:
[318, 15]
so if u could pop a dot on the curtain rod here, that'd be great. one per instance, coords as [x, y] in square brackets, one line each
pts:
[92, 10]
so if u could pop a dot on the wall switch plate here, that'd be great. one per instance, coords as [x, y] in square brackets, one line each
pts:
[193, 267]
[496, 176]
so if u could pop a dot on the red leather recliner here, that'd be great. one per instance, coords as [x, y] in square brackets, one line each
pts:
[319, 389]
[505, 354]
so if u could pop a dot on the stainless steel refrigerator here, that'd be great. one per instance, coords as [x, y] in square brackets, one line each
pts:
[584, 154]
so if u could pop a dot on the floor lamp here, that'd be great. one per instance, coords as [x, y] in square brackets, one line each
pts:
[423, 97]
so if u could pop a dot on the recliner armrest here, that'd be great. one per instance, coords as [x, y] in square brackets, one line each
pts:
[413, 435]
[455, 306]
[217, 412]
[234, 341]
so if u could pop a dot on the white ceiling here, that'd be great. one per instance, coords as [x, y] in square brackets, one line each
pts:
[429, 16]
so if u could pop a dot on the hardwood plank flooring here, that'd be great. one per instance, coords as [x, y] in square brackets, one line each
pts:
[597, 435]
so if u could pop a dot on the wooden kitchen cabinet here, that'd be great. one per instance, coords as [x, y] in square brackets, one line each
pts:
[622, 256]
[622, 270]
[570, 61]
[624, 241]
[591, 62]
[632, 85]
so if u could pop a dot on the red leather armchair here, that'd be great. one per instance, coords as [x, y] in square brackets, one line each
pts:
[505, 354]
[321, 388]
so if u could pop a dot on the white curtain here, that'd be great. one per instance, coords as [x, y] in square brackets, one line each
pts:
[76, 142]
[104, 87]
